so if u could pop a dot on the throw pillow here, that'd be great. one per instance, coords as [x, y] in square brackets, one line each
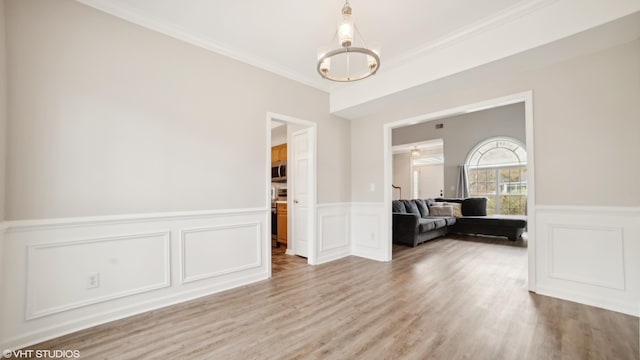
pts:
[475, 206]
[442, 211]
[457, 208]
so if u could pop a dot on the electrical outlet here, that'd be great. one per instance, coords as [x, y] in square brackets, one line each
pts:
[93, 281]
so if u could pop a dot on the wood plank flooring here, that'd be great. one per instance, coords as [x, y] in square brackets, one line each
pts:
[450, 298]
[282, 262]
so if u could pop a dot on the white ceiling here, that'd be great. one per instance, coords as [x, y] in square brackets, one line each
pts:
[283, 36]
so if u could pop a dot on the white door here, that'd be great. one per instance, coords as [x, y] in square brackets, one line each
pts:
[300, 216]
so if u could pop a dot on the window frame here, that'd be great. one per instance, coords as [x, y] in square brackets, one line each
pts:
[496, 169]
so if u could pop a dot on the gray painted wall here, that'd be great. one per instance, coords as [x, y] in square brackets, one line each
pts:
[107, 117]
[585, 111]
[462, 133]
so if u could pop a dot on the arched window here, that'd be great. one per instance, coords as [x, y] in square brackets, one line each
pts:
[497, 169]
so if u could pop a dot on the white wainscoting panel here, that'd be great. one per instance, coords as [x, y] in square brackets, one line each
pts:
[142, 262]
[333, 232]
[230, 248]
[58, 273]
[589, 255]
[369, 236]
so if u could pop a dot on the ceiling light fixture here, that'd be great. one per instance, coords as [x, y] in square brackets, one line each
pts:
[415, 152]
[348, 62]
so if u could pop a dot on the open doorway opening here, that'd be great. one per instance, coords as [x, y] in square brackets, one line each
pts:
[450, 126]
[418, 170]
[291, 192]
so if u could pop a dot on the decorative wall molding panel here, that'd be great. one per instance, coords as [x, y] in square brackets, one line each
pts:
[333, 232]
[71, 274]
[66, 275]
[369, 238]
[590, 255]
[230, 240]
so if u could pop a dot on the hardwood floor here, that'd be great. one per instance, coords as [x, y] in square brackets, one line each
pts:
[281, 262]
[447, 299]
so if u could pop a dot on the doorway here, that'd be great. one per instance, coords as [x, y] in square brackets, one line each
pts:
[418, 170]
[298, 179]
[525, 98]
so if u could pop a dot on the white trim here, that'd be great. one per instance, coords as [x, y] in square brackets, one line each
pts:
[183, 239]
[47, 224]
[603, 272]
[60, 329]
[175, 32]
[619, 210]
[473, 47]
[492, 139]
[369, 203]
[531, 190]
[164, 27]
[32, 313]
[338, 204]
[83, 314]
[527, 98]
[343, 246]
[368, 231]
[502, 17]
[312, 127]
[619, 284]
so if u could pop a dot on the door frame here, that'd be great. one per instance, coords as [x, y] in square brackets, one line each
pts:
[311, 186]
[523, 97]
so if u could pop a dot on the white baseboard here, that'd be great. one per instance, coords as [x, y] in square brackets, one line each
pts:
[589, 255]
[144, 262]
[564, 267]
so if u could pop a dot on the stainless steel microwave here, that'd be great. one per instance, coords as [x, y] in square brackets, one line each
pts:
[279, 172]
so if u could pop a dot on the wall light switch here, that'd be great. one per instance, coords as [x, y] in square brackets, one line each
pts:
[372, 187]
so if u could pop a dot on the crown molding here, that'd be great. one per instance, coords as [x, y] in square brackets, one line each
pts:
[496, 20]
[166, 28]
[198, 40]
[540, 23]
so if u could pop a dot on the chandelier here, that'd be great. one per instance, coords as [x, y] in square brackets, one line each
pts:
[415, 151]
[348, 62]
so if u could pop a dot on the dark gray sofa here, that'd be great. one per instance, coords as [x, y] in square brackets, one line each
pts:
[475, 220]
[413, 224]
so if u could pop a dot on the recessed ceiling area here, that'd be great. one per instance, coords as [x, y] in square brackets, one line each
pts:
[420, 41]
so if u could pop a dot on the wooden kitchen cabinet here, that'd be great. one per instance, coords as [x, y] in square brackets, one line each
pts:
[279, 153]
[281, 213]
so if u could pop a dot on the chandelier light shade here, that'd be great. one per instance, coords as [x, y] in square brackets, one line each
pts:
[415, 151]
[353, 60]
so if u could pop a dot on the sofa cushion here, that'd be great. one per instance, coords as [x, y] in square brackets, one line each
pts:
[449, 220]
[397, 206]
[440, 222]
[505, 221]
[411, 207]
[422, 207]
[474, 206]
[427, 224]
